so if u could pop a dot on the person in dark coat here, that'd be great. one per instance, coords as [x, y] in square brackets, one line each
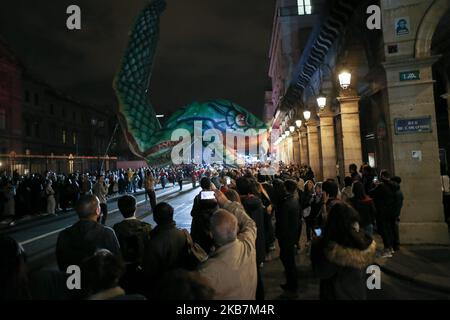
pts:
[364, 205]
[100, 276]
[398, 205]
[14, 283]
[131, 232]
[286, 228]
[200, 227]
[166, 250]
[267, 193]
[252, 203]
[201, 213]
[306, 205]
[86, 236]
[383, 196]
[340, 257]
[133, 235]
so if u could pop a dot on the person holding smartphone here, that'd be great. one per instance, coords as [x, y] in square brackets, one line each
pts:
[205, 204]
[286, 228]
[341, 255]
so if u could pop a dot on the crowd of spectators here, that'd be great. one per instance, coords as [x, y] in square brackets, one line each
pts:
[239, 217]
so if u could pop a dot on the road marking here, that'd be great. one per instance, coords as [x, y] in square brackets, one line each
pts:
[178, 207]
[113, 211]
[59, 230]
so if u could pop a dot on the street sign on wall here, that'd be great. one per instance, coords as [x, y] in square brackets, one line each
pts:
[410, 75]
[412, 125]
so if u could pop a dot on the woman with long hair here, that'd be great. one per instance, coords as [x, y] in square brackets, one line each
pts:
[340, 257]
[305, 205]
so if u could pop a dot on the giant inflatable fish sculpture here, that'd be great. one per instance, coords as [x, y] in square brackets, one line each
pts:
[143, 131]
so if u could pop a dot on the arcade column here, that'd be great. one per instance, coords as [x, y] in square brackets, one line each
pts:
[314, 148]
[350, 133]
[415, 149]
[328, 144]
[296, 148]
[304, 153]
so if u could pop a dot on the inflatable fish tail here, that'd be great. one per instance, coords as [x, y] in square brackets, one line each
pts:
[136, 115]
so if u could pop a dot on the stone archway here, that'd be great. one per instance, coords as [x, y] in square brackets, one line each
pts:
[428, 26]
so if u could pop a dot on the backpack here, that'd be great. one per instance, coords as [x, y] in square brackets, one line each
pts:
[132, 239]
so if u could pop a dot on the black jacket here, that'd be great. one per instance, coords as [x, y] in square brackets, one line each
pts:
[366, 210]
[201, 213]
[287, 220]
[384, 199]
[398, 199]
[254, 208]
[132, 234]
[81, 240]
[166, 250]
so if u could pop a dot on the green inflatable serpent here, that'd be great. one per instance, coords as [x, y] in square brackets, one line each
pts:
[143, 131]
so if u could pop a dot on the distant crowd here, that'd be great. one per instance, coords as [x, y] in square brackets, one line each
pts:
[52, 193]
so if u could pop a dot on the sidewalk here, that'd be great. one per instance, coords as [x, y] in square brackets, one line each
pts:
[424, 265]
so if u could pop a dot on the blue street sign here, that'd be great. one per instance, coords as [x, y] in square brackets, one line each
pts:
[412, 125]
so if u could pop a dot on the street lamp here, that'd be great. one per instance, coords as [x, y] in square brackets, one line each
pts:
[345, 79]
[307, 115]
[292, 129]
[321, 101]
[298, 123]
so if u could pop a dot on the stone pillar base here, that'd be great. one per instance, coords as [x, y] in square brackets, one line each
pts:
[424, 233]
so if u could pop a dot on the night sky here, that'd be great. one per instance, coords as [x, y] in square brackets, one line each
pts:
[208, 49]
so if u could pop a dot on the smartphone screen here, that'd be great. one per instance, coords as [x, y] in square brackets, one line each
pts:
[318, 232]
[207, 195]
[228, 180]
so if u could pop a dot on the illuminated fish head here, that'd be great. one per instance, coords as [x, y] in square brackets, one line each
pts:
[239, 118]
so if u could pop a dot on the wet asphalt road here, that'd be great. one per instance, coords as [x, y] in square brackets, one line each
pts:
[39, 238]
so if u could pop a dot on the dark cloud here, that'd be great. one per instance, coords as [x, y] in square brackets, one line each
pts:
[208, 49]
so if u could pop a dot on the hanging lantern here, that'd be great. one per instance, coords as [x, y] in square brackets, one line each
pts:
[307, 115]
[321, 101]
[345, 79]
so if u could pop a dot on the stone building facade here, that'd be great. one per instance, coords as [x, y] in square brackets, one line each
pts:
[394, 114]
[37, 121]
